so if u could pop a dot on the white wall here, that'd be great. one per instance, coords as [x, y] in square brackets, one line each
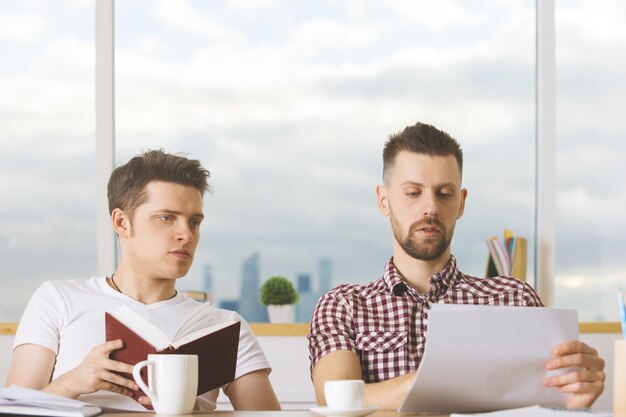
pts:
[289, 357]
[6, 343]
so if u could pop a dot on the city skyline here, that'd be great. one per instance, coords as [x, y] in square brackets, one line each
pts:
[309, 287]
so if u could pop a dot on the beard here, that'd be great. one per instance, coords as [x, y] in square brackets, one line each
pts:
[427, 249]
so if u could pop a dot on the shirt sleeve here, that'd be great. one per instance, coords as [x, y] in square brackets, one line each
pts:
[42, 320]
[530, 298]
[250, 356]
[332, 327]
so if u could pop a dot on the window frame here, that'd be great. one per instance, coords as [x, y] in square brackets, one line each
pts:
[545, 138]
[545, 142]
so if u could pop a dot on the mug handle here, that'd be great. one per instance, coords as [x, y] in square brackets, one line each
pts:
[139, 380]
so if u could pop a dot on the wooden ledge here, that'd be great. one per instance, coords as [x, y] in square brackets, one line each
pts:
[600, 327]
[280, 329]
[8, 328]
[302, 329]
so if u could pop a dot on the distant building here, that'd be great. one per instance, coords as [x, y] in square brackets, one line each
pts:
[325, 282]
[249, 306]
[303, 283]
[207, 282]
[232, 305]
[308, 298]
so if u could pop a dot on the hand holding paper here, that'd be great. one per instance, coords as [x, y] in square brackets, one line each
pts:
[482, 358]
[586, 381]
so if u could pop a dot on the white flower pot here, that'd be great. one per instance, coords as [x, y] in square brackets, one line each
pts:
[280, 313]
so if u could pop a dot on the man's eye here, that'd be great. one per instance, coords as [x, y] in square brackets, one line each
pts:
[413, 194]
[166, 218]
[195, 223]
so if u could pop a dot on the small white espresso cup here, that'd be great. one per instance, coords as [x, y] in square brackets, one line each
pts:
[172, 382]
[344, 394]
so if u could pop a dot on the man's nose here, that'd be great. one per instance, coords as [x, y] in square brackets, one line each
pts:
[184, 232]
[431, 205]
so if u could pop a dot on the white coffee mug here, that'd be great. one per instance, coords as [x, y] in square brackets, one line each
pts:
[172, 382]
[344, 394]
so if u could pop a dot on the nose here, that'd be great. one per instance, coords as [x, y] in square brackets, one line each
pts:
[431, 206]
[184, 233]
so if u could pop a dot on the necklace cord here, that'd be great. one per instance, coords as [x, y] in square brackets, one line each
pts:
[120, 291]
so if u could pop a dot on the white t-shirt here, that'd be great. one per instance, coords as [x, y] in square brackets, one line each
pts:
[67, 317]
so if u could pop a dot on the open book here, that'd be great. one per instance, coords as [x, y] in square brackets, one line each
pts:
[202, 333]
[24, 401]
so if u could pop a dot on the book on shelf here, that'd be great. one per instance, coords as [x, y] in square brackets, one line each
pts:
[202, 333]
[507, 257]
[24, 401]
[196, 295]
[518, 255]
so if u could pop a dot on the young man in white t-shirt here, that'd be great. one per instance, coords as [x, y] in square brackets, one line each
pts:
[155, 201]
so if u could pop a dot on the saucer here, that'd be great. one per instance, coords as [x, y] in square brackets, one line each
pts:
[354, 412]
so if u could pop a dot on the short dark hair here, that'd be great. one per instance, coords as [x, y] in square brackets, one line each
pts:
[127, 185]
[420, 138]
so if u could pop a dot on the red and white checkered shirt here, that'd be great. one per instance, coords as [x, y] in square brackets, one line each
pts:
[385, 321]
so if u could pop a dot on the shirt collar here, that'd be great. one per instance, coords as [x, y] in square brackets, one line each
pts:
[439, 282]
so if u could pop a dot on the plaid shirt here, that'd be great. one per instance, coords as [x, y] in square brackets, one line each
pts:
[385, 321]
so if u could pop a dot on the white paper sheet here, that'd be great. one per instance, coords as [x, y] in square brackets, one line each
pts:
[485, 358]
[538, 411]
[17, 400]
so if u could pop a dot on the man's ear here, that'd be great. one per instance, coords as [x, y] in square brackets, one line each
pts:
[383, 201]
[121, 222]
[462, 206]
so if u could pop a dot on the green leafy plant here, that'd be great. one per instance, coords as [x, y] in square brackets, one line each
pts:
[278, 291]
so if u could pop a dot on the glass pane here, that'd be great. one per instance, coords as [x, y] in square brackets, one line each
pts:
[591, 193]
[47, 149]
[289, 105]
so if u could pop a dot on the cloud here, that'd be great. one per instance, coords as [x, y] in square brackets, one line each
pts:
[184, 16]
[21, 28]
[289, 105]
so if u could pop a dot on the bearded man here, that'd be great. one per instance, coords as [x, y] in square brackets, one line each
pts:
[377, 332]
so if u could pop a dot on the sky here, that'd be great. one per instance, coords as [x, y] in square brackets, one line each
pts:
[289, 105]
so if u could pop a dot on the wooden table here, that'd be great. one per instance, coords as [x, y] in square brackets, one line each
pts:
[263, 414]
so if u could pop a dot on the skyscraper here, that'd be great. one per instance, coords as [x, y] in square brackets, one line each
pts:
[207, 282]
[308, 298]
[303, 283]
[249, 306]
[325, 281]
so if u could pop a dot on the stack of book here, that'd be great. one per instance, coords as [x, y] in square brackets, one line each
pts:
[507, 257]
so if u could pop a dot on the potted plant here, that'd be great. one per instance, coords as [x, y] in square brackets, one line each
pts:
[279, 295]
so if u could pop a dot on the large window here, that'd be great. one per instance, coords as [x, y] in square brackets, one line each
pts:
[591, 128]
[47, 222]
[289, 104]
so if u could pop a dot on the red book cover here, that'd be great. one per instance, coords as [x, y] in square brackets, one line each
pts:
[217, 352]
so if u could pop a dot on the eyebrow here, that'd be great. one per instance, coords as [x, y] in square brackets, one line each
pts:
[419, 184]
[166, 211]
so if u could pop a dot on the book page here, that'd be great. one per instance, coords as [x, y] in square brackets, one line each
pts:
[201, 332]
[149, 332]
[18, 400]
[204, 316]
